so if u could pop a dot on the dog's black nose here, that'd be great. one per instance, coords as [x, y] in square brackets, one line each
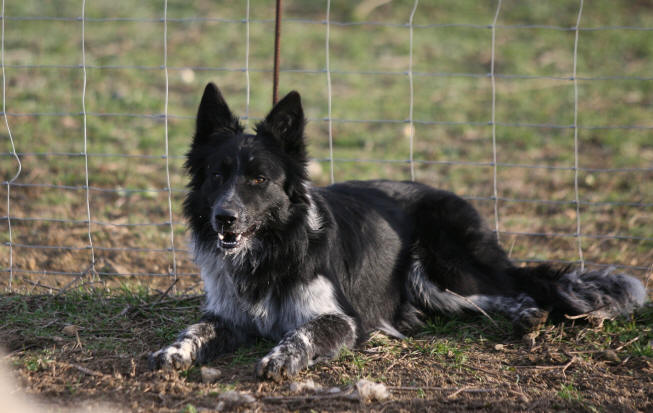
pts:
[225, 217]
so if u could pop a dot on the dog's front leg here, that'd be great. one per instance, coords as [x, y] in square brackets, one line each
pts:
[319, 339]
[198, 343]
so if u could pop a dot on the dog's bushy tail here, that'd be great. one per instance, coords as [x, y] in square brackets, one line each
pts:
[605, 293]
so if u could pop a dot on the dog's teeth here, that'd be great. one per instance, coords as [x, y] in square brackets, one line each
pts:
[221, 236]
[238, 237]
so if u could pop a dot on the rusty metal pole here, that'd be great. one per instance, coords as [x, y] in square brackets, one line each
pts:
[277, 47]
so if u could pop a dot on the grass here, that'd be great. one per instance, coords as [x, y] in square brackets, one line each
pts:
[37, 361]
[249, 355]
[453, 99]
[356, 359]
[118, 327]
[106, 319]
[636, 332]
[189, 408]
[452, 144]
[111, 320]
[469, 327]
[569, 393]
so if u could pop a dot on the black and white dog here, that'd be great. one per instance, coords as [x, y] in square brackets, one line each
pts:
[321, 268]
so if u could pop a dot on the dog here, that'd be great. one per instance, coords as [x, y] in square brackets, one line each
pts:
[317, 269]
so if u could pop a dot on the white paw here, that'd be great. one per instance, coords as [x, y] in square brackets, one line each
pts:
[284, 360]
[179, 355]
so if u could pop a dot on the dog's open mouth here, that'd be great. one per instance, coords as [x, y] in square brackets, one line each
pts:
[230, 240]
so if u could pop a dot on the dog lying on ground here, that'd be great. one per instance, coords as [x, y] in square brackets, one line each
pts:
[320, 268]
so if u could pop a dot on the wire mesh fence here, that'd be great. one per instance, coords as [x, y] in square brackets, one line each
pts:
[537, 113]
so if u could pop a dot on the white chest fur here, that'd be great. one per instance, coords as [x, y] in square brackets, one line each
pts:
[272, 316]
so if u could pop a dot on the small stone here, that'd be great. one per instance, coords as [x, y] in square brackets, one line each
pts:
[210, 374]
[610, 355]
[499, 347]
[70, 330]
[232, 400]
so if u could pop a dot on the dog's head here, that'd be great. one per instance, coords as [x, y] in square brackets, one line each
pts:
[244, 184]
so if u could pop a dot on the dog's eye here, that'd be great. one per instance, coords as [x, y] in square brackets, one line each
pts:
[258, 180]
[217, 177]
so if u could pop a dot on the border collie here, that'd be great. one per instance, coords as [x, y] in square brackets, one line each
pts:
[319, 268]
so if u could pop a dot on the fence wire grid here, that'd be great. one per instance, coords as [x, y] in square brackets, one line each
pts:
[540, 116]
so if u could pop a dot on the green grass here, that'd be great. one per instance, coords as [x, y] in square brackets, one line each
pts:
[249, 355]
[189, 408]
[38, 361]
[468, 327]
[569, 393]
[353, 48]
[106, 319]
[119, 327]
[444, 350]
[357, 360]
[636, 333]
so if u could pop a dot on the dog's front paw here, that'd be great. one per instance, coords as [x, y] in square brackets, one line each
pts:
[285, 360]
[176, 356]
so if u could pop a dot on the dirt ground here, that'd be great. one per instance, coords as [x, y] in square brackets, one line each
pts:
[455, 364]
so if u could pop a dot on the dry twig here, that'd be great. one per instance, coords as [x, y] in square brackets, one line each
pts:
[629, 342]
[84, 369]
[468, 390]
[38, 284]
[585, 315]
[165, 293]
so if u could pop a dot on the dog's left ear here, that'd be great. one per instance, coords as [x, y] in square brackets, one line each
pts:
[286, 122]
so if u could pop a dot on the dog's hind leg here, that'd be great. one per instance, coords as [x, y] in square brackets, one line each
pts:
[521, 309]
[319, 339]
[459, 265]
[456, 249]
[198, 343]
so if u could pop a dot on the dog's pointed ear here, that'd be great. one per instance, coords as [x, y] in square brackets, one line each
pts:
[286, 122]
[214, 114]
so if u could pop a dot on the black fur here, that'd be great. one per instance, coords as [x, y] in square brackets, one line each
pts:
[321, 268]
